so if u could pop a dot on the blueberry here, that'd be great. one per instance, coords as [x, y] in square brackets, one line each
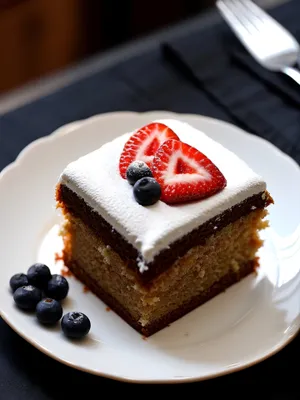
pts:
[38, 275]
[75, 325]
[17, 281]
[137, 170]
[49, 311]
[27, 297]
[57, 288]
[147, 191]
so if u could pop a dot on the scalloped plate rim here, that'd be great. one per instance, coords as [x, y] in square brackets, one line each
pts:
[67, 129]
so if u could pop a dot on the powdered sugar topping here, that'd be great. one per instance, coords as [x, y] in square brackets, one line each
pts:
[96, 178]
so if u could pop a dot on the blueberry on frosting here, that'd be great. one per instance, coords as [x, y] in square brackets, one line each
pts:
[146, 191]
[137, 170]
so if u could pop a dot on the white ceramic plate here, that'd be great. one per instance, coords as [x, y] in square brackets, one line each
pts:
[249, 322]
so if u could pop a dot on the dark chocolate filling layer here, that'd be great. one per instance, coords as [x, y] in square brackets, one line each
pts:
[78, 208]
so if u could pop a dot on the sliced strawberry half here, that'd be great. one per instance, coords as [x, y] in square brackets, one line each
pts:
[184, 173]
[143, 144]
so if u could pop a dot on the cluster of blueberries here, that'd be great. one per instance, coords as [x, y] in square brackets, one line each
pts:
[146, 189]
[42, 292]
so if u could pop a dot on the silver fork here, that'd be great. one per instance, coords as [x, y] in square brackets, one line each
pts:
[270, 44]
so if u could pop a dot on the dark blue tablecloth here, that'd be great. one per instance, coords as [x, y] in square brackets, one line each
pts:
[225, 90]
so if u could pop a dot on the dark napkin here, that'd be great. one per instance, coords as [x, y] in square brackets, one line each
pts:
[98, 92]
[262, 102]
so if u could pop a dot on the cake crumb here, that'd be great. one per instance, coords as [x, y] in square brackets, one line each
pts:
[143, 321]
[58, 257]
[144, 337]
[235, 266]
[107, 309]
[66, 272]
[85, 289]
[151, 301]
[256, 265]
[186, 334]
[105, 253]
[201, 273]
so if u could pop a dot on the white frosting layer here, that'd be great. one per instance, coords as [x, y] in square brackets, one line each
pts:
[95, 178]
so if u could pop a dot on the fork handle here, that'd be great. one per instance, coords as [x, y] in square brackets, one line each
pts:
[292, 73]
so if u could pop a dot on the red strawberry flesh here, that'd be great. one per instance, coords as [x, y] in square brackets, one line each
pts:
[143, 144]
[184, 173]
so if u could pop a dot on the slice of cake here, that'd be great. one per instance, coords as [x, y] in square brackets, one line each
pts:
[161, 220]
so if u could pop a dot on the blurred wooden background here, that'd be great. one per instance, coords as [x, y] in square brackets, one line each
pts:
[38, 37]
